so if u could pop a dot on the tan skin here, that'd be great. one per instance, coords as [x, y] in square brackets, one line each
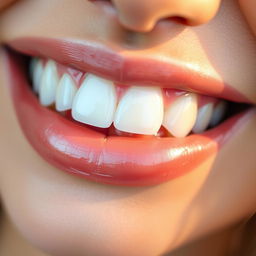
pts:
[64, 215]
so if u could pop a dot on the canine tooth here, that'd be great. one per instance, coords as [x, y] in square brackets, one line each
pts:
[180, 116]
[36, 70]
[140, 111]
[218, 113]
[95, 102]
[203, 118]
[66, 91]
[48, 84]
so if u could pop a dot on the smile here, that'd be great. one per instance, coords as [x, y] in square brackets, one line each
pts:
[92, 113]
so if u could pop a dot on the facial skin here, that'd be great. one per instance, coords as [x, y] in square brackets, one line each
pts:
[64, 215]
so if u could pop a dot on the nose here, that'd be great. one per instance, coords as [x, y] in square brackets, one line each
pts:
[143, 15]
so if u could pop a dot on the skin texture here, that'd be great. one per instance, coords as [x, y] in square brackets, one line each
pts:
[63, 215]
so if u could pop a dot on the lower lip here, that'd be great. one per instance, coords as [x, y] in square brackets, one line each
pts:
[113, 160]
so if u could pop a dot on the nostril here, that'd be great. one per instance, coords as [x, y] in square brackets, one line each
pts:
[178, 19]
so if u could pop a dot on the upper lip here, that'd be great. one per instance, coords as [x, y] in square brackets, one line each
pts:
[127, 69]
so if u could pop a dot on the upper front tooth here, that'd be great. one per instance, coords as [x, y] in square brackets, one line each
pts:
[180, 116]
[203, 118]
[48, 84]
[218, 113]
[95, 102]
[65, 93]
[140, 111]
[36, 70]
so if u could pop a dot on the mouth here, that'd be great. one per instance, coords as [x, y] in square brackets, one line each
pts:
[110, 119]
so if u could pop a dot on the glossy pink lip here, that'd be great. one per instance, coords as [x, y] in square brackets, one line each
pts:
[89, 154]
[125, 69]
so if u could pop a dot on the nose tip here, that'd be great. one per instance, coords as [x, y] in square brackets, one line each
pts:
[143, 15]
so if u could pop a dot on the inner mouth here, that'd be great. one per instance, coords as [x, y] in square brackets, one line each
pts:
[121, 110]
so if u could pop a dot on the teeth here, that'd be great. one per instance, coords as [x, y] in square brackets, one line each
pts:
[218, 113]
[180, 116]
[48, 84]
[95, 102]
[36, 70]
[65, 93]
[140, 111]
[203, 118]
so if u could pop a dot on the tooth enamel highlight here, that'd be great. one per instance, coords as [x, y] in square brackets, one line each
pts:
[95, 102]
[140, 111]
[218, 113]
[203, 118]
[48, 84]
[65, 93]
[36, 70]
[180, 116]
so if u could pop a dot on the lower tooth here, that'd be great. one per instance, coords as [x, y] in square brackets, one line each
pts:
[203, 118]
